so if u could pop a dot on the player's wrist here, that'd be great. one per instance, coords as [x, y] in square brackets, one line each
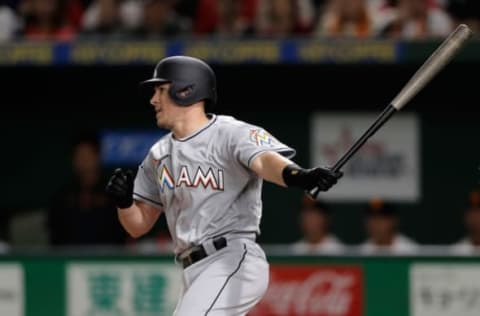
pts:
[296, 176]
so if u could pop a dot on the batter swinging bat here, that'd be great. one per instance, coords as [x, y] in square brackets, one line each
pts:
[440, 57]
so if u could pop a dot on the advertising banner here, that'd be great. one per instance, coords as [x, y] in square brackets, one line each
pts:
[127, 147]
[312, 291]
[11, 290]
[387, 166]
[445, 290]
[122, 289]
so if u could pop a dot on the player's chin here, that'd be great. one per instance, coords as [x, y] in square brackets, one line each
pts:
[162, 124]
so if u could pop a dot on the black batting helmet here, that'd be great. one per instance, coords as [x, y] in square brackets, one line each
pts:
[191, 80]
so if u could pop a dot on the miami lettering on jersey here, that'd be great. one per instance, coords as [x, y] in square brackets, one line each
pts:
[200, 177]
[260, 137]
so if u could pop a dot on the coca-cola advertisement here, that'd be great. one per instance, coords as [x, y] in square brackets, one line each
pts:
[312, 291]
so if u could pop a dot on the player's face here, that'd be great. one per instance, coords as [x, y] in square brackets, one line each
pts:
[381, 228]
[86, 163]
[313, 223]
[473, 221]
[166, 112]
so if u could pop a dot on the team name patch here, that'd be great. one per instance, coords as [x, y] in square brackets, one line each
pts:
[187, 178]
[260, 137]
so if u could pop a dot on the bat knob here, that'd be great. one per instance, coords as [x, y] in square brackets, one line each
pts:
[313, 193]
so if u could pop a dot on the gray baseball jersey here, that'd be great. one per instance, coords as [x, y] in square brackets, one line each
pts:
[203, 182]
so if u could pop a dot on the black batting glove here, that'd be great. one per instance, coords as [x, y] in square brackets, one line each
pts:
[317, 179]
[120, 188]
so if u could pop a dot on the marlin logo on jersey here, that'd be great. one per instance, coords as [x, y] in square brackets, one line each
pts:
[165, 178]
[200, 178]
[260, 137]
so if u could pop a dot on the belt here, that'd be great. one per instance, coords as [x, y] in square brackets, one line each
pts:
[197, 253]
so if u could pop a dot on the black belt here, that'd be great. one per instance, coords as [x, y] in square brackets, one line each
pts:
[198, 252]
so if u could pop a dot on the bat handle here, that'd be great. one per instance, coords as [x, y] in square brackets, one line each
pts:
[381, 119]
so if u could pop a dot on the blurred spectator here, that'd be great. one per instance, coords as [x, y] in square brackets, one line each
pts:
[10, 23]
[417, 19]
[81, 213]
[382, 231]
[107, 17]
[284, 17]
[315, 225]
[225, 17]
[471, 242]
[47, 20]
[465, 11]
[159, 19]
[354, 18]
[3, 247]
[74, 13]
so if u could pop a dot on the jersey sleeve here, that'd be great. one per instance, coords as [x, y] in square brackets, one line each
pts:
[145, 187]
[249, 141]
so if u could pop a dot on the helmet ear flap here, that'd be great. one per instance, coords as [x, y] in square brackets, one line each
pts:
[182, 93]
[185, 92]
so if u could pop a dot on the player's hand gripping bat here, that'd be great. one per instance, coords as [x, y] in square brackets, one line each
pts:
[439, 58]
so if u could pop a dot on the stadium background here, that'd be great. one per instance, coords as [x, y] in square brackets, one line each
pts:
[51, 91]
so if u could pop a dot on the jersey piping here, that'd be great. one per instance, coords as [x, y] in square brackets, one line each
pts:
[279, 150]
[147, 199]
[228, 279]
[212, 120]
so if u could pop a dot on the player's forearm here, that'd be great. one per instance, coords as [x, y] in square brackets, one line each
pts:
[137, 220]
[269, 166]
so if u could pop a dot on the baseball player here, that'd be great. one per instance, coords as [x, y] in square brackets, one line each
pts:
[206, 176]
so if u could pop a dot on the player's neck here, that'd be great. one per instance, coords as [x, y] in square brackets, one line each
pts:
[475, 239]
[386, 240]
[316, 238]
[190, 123]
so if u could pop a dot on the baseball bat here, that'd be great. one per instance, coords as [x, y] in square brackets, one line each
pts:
[437, 60]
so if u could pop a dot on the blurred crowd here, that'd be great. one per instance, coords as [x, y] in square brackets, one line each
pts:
[150, 19]
[382, 230]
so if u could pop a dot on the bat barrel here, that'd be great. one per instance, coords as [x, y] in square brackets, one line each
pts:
[440, 57]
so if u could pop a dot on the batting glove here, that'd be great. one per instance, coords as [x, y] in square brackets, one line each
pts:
[320, 179]
[120, 188]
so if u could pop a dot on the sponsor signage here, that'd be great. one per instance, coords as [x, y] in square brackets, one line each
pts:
[445, 290]
[114, 289]
[312, 291]
[387, 165]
